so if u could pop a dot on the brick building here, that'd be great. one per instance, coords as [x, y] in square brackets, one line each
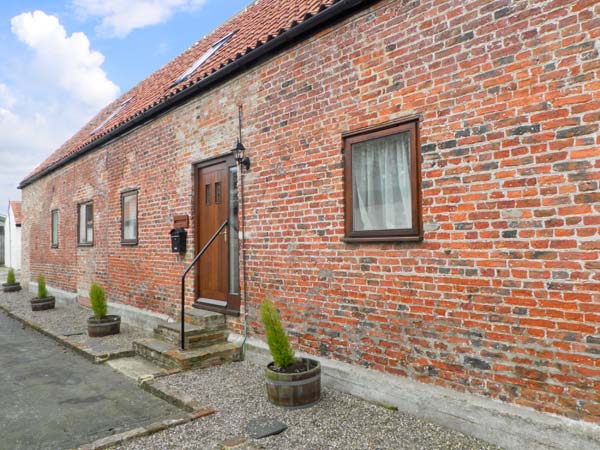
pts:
[422, 197]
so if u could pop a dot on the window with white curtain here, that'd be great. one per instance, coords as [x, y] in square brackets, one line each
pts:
[54, 228]
[85, 219]
[382, 184]
[129, 212]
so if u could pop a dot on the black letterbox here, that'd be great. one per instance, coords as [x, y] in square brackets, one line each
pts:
[178, 240]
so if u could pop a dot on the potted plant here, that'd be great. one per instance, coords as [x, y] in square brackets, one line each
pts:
[101, 324]
[11, 284]
[43, 301]
[291, 382]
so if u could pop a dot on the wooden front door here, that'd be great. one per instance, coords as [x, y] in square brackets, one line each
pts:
[216, 275]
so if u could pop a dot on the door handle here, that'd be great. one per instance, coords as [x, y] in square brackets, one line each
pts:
[225, 234]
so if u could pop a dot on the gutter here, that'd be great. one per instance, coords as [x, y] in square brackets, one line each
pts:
[334, 13]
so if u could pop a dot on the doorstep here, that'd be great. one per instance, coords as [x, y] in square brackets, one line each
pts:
[170, 356]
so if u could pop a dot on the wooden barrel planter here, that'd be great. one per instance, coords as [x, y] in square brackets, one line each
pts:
[105, 326]
[297, 389]
[42, 304]
[11, 287]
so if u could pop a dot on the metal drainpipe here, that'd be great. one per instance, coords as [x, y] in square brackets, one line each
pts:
[243, 228]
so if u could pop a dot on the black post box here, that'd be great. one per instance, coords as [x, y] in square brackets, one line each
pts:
[178, 240]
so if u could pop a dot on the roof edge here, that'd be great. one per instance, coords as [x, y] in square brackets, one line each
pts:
[336, 11]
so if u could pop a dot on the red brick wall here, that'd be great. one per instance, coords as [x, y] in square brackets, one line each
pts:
[502, 298]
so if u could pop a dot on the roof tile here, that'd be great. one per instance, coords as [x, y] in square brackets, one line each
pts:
[16, 209]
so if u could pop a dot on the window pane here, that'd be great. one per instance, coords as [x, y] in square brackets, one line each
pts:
[234, 257]
[90, 223]
[218, 192]
[54, 228]
[381, 184]
[82, 220]
[130, 217]
[207, 194]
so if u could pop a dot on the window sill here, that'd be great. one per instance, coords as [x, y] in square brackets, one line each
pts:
[85, 245]
[129, 243]
[365, 239]
[54, 247]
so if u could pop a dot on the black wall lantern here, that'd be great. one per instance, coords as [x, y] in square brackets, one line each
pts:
[238, 153]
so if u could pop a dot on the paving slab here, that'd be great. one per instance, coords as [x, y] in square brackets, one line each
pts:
[54, 399]
[261, 427]
[137, 368]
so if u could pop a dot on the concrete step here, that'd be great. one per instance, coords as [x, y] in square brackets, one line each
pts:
[195, 336]
[136, 368]
[206, 319]
[171, 356]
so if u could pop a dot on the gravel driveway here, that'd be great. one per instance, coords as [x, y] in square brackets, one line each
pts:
[339, 421]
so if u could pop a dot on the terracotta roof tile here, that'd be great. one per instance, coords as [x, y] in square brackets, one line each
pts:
[16, 208]
[255, 25]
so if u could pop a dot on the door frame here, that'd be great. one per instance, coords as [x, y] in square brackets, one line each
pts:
[229, 161]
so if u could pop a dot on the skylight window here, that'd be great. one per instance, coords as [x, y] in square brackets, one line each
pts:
[211, 51]
[113, 114]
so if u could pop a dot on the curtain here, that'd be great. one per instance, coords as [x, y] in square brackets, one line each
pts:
[381, 183]
[90, 222]
[130, 216]
[82, 224]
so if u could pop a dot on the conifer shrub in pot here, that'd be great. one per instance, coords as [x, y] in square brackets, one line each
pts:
[43, 301]
[11, 284]
[101, 324]
[291, 382]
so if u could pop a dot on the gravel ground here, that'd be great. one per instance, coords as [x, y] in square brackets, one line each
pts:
[338, 421]
[69, 322]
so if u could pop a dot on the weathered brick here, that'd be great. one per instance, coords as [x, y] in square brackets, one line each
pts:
[525, 129]
[477, 363]
[576, 131]
[592, 197]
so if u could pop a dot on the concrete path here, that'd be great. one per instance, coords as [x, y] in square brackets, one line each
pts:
[51, 398]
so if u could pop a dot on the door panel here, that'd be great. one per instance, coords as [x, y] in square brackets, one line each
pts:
[213, 267]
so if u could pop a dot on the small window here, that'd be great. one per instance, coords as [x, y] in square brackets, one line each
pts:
[217, 193]
[383, 184]
[207, 194]
[54, 228]
[85, 220]
[129, 213]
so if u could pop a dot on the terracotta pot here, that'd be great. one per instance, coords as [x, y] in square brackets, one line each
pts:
[105, 326]
[11, 287]
[42, 304]
[294, 390]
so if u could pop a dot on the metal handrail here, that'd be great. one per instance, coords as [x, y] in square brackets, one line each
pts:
[192, 264]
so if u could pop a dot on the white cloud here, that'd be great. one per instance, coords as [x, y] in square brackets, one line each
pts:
[54, 89]
[25, 141]
[7, 99]
[67, 60]
[120, 17]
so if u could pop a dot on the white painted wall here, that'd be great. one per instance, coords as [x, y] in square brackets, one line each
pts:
[12, 242]
[2, 227]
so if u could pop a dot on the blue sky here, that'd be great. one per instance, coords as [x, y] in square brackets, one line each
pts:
[62, 61]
